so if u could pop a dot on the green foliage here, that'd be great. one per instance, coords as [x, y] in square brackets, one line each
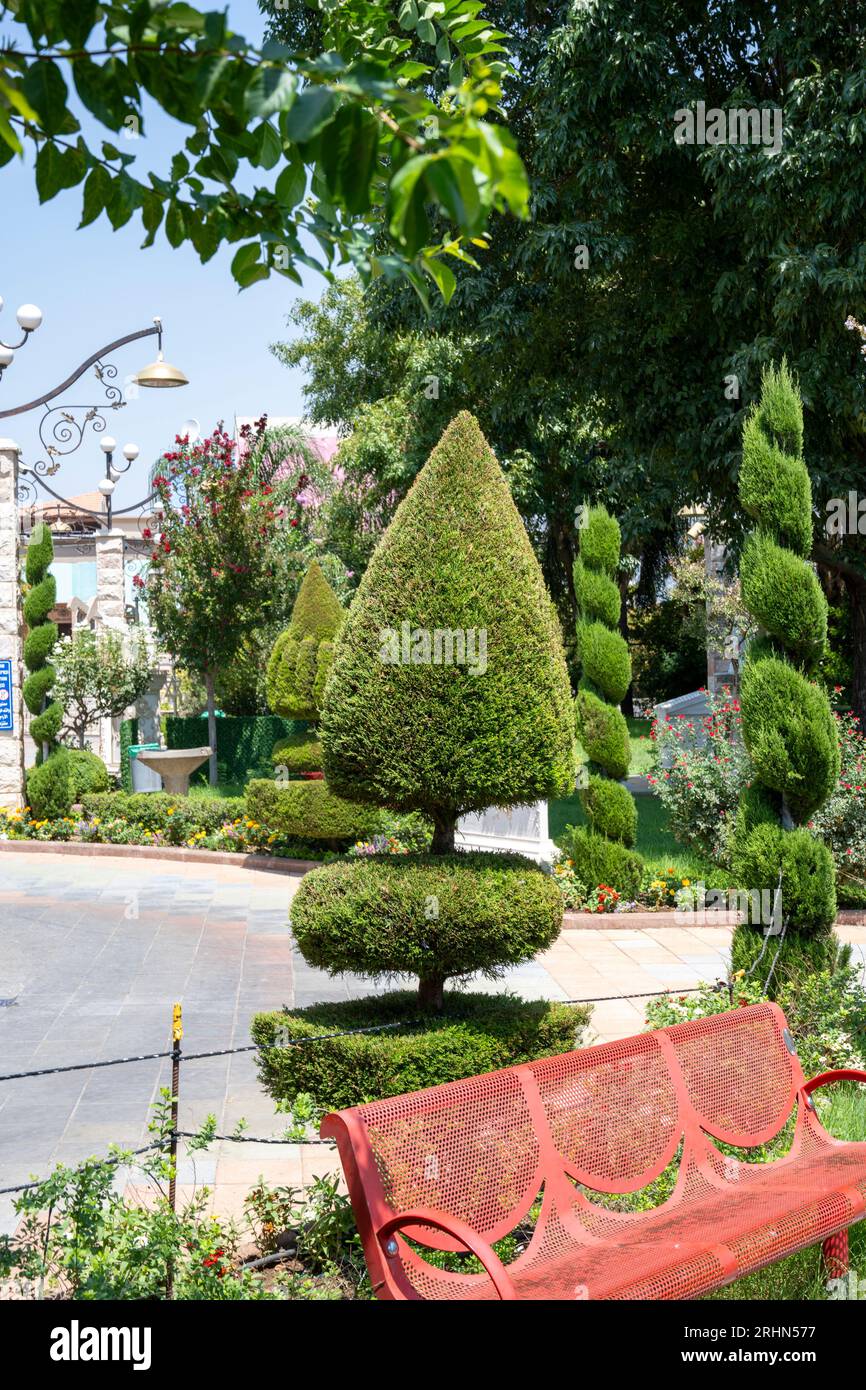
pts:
[808, 874]
[475, 1033]
[787, 723]
[344, 120]
[603, 733]
[451, 736]
[128, 735]
[783, 594]
[611, 810]
[598, 597]
[790, 734]
[98, 677]
[40, 598]
[599, 860]
[89, 773]
[798, 957]
[301, 657]
[50, 786]
[600, 543]
[298, 753]
[308, 810]
[604, 660]
[435, 916]
[159, 810]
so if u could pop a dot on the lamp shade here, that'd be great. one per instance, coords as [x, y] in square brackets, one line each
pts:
[160, 373]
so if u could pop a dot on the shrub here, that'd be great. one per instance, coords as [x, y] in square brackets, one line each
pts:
[841, 821]
[40, 598]
[604, 660]
[474, 1033]
[159, 810]
[298, 753]
[442, 736]
[598, 860]
[790, 734]
[51, 786]
[782, 593]
[699, 775]
[808, 875]
[301, 656]
[89, 773]
[611, 810]
[603, 733]
[308, 810]
[786, 962]
[787, 723]
[434, 916]
[605, 677]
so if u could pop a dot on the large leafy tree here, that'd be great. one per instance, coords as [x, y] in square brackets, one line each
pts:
[344, 123]
[211, 570]
[625, 370]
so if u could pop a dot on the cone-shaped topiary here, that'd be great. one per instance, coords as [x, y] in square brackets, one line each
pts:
[605, 677]
[448, 693]
[301, 656]
[41, 637]
[787, 723]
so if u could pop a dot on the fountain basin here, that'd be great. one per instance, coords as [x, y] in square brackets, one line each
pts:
[174, 766]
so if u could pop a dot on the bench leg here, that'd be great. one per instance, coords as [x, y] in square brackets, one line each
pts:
[835, 1252]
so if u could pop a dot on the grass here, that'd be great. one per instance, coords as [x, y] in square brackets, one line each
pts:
[205, 791]
[655, 843]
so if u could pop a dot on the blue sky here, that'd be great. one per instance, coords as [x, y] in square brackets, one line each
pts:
[96, 284]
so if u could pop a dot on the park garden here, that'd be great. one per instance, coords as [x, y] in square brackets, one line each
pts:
[593, 420]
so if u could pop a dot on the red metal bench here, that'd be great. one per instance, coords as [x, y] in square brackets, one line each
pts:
[459, 1166]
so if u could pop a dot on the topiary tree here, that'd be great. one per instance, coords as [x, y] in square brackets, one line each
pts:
[299, 665]
[448, 693]
[601, 853]
[787, 722]
[40, 598]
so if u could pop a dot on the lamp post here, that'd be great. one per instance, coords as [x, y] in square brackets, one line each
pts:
[114, 470]
[29, 318]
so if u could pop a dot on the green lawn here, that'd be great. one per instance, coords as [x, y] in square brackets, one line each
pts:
[654, 840]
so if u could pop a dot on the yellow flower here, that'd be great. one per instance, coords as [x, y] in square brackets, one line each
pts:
[170, 811]
[739, 975]
[687, 883]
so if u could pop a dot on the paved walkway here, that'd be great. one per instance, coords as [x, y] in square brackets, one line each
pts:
[94, 952]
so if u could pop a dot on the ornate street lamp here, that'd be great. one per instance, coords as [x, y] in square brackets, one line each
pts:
[114, 470]
[29, 318]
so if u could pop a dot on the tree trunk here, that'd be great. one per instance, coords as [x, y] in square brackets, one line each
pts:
[211, 728]
[856, 589]
[431, 992]
[443, 836]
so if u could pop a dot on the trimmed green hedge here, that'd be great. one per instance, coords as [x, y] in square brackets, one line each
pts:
[434, 916]
[307, 810]
[603, 861]
[243, 741]
[151, 809]
[65, 777]
[128, 735]
[475, 1033]
[298, 753]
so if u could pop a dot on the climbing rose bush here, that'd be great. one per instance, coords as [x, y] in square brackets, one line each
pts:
[699, 770]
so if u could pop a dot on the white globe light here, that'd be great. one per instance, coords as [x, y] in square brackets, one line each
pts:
[108, 445]
[191, 429]
[113, 474]
[130, 452]
[106, 486]
[6, 356]
[29, 317]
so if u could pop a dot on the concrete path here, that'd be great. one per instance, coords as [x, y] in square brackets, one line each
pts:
[94, 952]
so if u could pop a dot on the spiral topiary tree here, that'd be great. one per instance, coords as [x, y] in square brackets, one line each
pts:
[448, 693]
[40, 598]
[602, 853]
[787, 723]
[298, 668]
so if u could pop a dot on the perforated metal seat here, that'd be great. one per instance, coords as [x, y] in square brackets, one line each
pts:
[459, 1166]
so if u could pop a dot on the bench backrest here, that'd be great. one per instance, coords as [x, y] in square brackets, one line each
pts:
[611, 1117]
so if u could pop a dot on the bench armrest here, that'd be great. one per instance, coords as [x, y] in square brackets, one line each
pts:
[452, 1226]
[827, 1077]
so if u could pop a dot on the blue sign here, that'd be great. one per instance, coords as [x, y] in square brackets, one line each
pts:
[6, 722]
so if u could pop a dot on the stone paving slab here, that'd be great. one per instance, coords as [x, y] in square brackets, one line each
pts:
[98, 949]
